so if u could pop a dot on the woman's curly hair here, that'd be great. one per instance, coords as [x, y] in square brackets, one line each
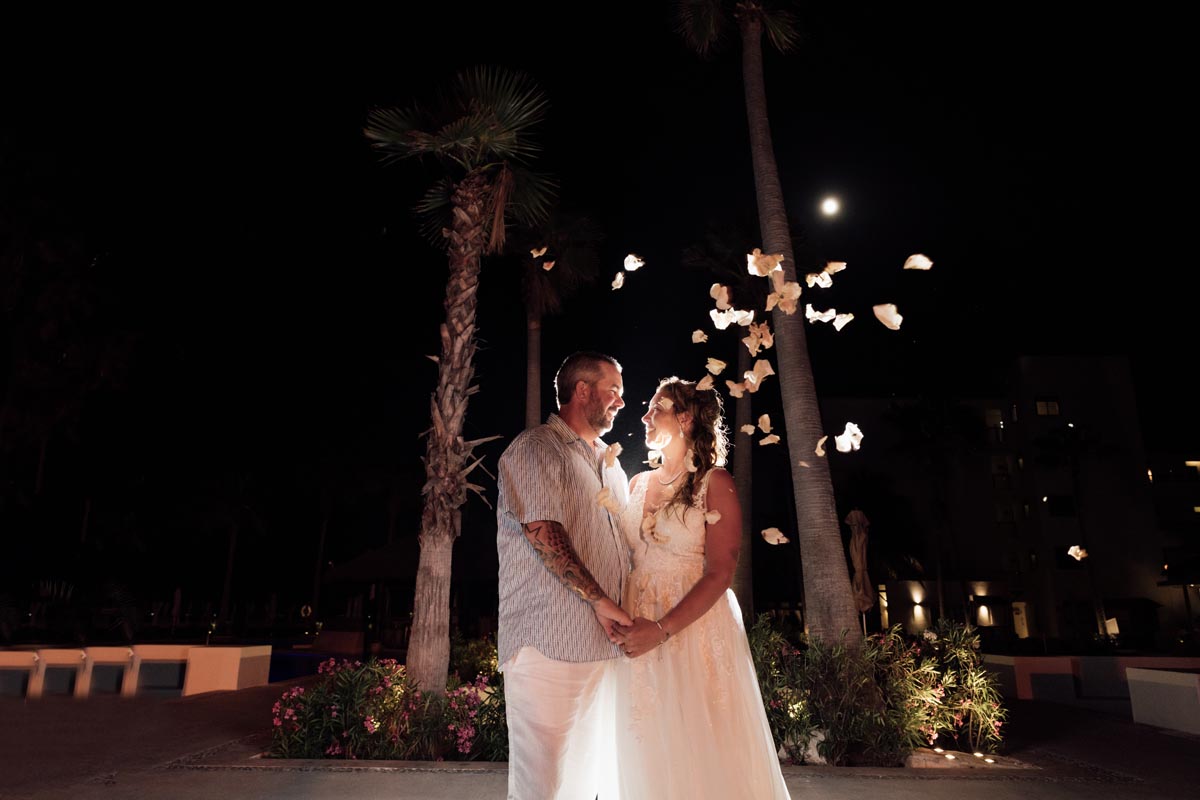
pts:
[709, 439]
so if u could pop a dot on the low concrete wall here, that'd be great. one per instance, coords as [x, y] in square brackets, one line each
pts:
[1165, 699]
[205, 669]
[1068, 678]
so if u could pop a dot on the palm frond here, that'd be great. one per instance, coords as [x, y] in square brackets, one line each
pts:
[507, 105]
[701, 23]
[531, 197]
[434, 210]
[781, 28]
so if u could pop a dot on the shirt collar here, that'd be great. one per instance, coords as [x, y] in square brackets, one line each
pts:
[569, 436]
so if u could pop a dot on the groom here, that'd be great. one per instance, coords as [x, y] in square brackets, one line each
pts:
[563, 562]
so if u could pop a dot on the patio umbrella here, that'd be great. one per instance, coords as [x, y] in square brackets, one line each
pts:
[864, 595]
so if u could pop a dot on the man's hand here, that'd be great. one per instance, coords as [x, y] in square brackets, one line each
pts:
[608, 613]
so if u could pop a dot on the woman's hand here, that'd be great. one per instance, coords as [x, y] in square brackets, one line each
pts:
[639, 638]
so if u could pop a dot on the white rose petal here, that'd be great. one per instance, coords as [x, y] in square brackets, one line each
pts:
[736, 389]
[537, 252]
[704, 384]
[548, 265]
[618, 281]
[633, 263]
[699, 336]
[1076, 552]
[819, 316]
[834, 266]
[842, 320]
[712, 517]
[721, 295]
[772, 439]
[774, 536]
[820, 451]
[747, 429]
[716, 366]
[850, 439]
[918, 261]
[761, 264]
[887, 314]
[764, 423]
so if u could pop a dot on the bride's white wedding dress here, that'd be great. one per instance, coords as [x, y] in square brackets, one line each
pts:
[690, 718]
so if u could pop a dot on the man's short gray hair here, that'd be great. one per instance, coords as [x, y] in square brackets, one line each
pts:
[582, 366]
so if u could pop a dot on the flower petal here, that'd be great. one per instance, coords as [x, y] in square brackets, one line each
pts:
[618, 281]
[633, 263]
[887, 314]
[699, 336]
[918, 261]
[774, 536]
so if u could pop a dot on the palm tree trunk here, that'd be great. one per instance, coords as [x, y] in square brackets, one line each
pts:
[828, 599]
[428, 658]
[743, 473]
[533, 371]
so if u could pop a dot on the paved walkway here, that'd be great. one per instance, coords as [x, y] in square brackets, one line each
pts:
[205, 747]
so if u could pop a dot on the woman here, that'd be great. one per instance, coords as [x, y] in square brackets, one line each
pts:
[690, 718]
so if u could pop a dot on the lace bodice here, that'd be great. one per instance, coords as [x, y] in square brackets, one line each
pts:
[669, 554]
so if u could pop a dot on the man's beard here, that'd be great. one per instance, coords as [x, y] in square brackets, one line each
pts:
[596, 418]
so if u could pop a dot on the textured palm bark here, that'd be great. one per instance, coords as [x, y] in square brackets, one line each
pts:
[829, 610]
[446, 457]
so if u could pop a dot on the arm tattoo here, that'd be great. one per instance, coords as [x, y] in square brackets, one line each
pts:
[550, 542]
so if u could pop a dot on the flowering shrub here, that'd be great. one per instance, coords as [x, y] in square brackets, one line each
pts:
[367, 710]
[876, 704]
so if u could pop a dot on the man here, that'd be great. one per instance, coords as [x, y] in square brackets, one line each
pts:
[563, 563]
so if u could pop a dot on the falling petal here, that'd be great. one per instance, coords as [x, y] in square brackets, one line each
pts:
[721, 295]
[764, 423]
[821, 279]
[761, 264]
[834, 266]
[747, 429]
[618, 281]
[548, 265]
[887, 314]
[774, 536]
[704, 384]
[537, 252]
[754, 378]
[721, 319]
[716, 366]
[690, 461]
[850, 439]
[819, 316]
[666, 403]
[605, 499]
[434, 359]
[611, 453]
[842, 320]
[699, 336]
[772, 439]
[633, 263]
[804, 464]
[712, 517]
[654, 459]
[820, 451]
[785, 298]
[918, 261]
[743, 318]
[1076, 552]
[736, 389]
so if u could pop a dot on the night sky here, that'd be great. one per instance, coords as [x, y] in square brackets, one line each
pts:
[278, 303]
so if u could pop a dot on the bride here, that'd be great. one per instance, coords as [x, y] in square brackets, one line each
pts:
[690, 718]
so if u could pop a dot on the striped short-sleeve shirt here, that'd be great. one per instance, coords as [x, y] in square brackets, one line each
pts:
[550, 473]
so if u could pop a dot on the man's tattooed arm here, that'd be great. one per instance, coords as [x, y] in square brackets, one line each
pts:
[550, 541]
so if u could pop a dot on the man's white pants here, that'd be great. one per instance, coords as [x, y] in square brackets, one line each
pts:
[561, 728]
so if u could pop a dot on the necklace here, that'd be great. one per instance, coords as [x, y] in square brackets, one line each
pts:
[668, 483]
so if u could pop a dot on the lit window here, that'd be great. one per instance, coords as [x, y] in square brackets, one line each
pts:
[1047, 406]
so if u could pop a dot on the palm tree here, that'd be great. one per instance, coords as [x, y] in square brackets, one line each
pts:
[828, 601]
[571, 244]
[480, 137]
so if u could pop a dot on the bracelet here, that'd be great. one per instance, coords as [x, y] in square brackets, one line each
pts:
[664, 631]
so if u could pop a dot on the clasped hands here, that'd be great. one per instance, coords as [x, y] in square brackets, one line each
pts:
[635, 637]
